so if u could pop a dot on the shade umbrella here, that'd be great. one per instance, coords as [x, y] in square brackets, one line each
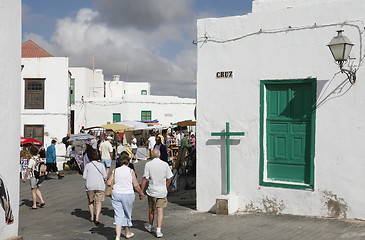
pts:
[115, 127]
[134, 124]
[80, 136]
[29, 141]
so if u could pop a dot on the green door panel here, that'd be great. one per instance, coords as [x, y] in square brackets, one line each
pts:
[288, 122]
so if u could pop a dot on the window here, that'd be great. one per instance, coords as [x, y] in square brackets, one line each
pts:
[143, 92]
[146, 115]
[287, 134]
[72, 91]
[116, 117]
[34, 94]
[34, 131]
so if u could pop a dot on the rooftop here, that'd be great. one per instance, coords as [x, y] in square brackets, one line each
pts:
[31, 50]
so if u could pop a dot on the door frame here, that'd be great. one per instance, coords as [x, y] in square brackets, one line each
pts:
[263, 145]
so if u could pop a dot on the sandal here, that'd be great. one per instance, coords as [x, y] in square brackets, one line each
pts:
[42, 205]
[33, 208]
[128, 236]
[97, 221]
[91, 219]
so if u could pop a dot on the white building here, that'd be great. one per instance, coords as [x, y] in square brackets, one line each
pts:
[102, 102]
[270, 75]
[45, 95]
[10, 44]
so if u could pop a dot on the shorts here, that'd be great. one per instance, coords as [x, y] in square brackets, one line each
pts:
[134, 150]
[157, 202]
[33, 182]
[107, 162]
[95, 195]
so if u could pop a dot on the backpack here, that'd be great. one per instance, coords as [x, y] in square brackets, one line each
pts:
[40, 170]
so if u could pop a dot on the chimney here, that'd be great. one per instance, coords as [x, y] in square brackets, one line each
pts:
[116, 77]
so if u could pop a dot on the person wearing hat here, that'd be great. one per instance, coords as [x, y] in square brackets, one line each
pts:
[51, 160]
[106, 152]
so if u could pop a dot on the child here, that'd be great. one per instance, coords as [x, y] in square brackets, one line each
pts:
[34, 183]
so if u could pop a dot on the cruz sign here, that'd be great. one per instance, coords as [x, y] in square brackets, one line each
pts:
[226, 74]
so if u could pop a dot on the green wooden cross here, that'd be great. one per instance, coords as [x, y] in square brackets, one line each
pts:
[227, 134]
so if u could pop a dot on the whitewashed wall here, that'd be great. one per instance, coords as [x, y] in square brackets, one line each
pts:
[55, 114]
[10, 45]
[124, 98]
[121, 88]
[167, 109]
[88, 83]
[282, 43]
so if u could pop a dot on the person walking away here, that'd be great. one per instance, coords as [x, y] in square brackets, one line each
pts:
[183, 150]
[134, 149]
[65, 140]
[51, 158]
[42, 153]
[158, 174]
[163, 150]
[34, 183]
[95, 176]
[106, 152]
[120, 149]
[125, 180]
[89, 153]
[151, 143]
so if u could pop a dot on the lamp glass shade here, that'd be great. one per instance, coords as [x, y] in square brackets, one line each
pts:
[340, 52]
[340, 47]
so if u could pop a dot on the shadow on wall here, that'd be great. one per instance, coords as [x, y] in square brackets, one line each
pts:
[222, 143]
[331, 89]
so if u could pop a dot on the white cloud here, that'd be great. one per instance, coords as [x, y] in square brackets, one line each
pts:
[133, 51]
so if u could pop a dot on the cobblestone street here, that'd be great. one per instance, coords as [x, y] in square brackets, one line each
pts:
[66, 216]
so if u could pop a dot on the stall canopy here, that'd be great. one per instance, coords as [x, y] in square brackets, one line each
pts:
[186, 123]
[116, 127]
[134, 124]
[29, 141]
[151, 122]
[80, 136]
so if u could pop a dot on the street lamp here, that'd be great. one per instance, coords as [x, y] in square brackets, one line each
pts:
[340, 47]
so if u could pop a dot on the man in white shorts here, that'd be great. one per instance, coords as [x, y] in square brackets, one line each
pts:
[106, 152]
[158, 174]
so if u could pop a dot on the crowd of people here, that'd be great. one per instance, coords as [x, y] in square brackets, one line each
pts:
[98, 176]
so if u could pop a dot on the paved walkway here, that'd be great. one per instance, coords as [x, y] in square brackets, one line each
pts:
[65, 216]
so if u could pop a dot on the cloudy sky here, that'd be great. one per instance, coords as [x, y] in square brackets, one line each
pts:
[141, 40]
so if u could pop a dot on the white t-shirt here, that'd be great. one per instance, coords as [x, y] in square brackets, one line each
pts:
[105, 149]
[157, 172]
[32, 164]
[152, 142]
[123, 182]
[134, 143]
[94, 174]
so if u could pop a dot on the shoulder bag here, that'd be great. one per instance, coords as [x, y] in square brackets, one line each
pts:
[109, 189]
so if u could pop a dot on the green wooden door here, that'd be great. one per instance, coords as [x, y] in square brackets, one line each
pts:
[288, 131]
